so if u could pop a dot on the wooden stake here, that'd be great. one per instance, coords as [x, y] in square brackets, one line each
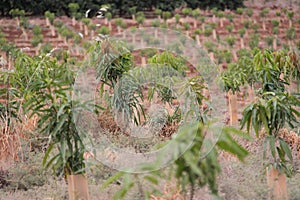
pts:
[143, 61]
[232, 98]
[277, 185]
[78, 187]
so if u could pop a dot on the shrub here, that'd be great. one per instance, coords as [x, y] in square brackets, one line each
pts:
[36, 39]
[46, 48]
[104, 30]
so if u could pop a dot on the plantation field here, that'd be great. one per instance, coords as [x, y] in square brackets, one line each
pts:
[193, 104]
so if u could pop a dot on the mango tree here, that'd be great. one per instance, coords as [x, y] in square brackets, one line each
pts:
[41, 87]
[115, 68]
[273, 107]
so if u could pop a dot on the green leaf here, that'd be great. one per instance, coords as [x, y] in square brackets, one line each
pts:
[111, 179]
[286, 149]
[151, 179]
[272, 145]
[47, 154]
[240, 133]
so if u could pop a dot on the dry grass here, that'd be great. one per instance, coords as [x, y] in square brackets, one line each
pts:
[170, 192]
[11, 136]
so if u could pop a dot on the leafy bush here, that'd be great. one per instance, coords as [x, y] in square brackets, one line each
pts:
[104, 30]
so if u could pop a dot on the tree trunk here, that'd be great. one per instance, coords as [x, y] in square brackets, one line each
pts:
[277, 185]
[78, 187]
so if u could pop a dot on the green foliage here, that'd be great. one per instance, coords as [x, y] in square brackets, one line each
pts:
[275, 30]
[187, 11]
[36, 39]
[17, 12]
[37, 30]
[230, 41]
[73, 8]
[290, 33]
[264, 12]
[86, 21]
[186, 26]
[50, 16]
[269, 40]
[166, 15]
[240, 11]
[119, 22]
[242, 32]
[120, 8]
[290, 14]
[208, 31]
[104, 30]
[108, 15]
[155, 23]
[167, 58]
[255, 27]
[249, 12]
[46, 48]
[194, 167]
[254, 40]
[217, 4]
[229, 28]
[140, 18]
[223, 56]
[247, 24]
[111, 60]
[230, 17]
[273, 107]
[158, 11]
[196, 13]
[275, 23]
[210, 46]
[177, 18]
[45, 89]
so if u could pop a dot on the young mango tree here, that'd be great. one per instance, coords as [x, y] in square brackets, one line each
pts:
[42, 87]
[273, 108]
[190, 170]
